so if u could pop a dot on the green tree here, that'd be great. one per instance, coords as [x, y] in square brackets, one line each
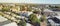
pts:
[34, 18]
[43, 18]
[5, 9]
[29, 9]
[1, 14]
[22, 23]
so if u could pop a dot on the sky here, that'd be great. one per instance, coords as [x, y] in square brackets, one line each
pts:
[32, 1]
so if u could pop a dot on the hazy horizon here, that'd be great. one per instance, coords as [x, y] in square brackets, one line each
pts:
[32, 1]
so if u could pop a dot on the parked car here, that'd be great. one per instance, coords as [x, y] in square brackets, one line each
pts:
[53, 21]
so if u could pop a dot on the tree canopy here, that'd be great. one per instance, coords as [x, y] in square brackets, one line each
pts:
[22, 23]
[34, 18]
[5, 9]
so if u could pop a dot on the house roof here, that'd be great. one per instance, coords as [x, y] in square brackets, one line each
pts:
[28, 24]
[11, 24]
[2, 19]
[47, 10]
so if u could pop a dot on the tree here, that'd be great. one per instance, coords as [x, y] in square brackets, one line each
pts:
[29, 9]
[43, 18]
[5, 8]
[23, 8]
[34, 18]
[22, 23]
[1, 14]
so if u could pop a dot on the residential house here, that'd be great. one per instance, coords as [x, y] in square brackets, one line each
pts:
[47, 12]
[11, 24]
[1, 7]
[2, 19]
[28, 24]
[6, 22]
[25, 13]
